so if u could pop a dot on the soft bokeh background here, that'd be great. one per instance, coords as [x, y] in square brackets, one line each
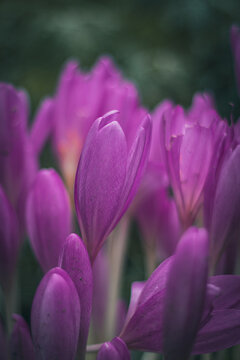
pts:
[169, 49]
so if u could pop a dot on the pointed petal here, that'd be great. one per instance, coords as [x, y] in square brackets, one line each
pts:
[75, 261]
[99, 182]
[185, 294]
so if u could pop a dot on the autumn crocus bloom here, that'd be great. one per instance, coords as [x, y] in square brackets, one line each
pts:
[48, 217]
[179, 310]
[21, 341]
[188, 141]
[108, 175]
[55, 317]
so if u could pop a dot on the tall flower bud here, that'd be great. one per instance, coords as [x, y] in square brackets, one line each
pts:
[107, 178]
[75, 261]
[48, 217]
[21, 342]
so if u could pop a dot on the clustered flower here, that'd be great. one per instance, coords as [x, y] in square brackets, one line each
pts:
[180, 172]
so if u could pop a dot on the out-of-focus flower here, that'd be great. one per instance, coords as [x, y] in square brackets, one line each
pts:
[21, 342]
[235, 42]
[55, 317]
[156, 213]
[179, 309]
[114, 350]
[188, 141]
[222, 209]
[75, 261]
[18, 163]
[48, 217]
[108, 175]
[9, 241]
[80, 99]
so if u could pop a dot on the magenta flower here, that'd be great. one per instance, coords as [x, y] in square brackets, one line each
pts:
[75, 261]
[187, 164]
[55, 317]
[180, 311]
[48, 217]
[108, 176]
[9, 241]
[114, 350]
[21, 341]
[18, 164]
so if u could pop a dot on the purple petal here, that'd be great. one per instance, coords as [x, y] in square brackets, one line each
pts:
[55, 317]
[143, 326]
[99, 182]
[21, 342]
[48, 217]
[226, 206]
[114, 350]
[42, 125]
[229, 291]
[221, 332]
[75, 261]
[185, 294]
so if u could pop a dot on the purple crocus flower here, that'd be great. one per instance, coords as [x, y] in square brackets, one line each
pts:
[9, 241]
[79, 100]
[235, 42]
[187, 164]
[48, 217]
[178, 310]
[114, 350]
[75, 261]
[18, 163]
[55, 317]
[108, 175]
[21, 342]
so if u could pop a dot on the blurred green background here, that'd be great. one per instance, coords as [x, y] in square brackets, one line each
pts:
[169, 49]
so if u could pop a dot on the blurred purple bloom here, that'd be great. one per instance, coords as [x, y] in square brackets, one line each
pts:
[55, 317]
[75, 261]
[156, 212]
[21, 342]
[223, 218]
[235, 42]
[188, 144]
[178, 311]
[48, 217]
[108, 175]
[114, 350]
[18, 164]
[9, 241]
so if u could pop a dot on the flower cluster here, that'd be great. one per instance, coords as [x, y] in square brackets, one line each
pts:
[180, 172]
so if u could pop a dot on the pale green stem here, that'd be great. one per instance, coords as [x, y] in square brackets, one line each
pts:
[150, 257]
[117, 251]
[10, 297]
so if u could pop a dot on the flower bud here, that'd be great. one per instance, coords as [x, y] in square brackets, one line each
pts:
[55, 317]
